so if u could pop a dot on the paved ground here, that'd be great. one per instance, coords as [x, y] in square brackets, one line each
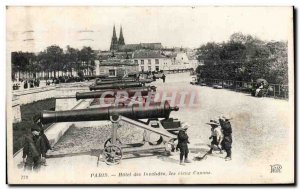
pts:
[262, 136]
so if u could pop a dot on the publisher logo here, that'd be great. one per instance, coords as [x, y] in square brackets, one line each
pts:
[276, 168]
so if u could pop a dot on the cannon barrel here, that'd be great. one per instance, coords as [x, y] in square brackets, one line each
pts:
[136, 111]
[143, 91]
[116, 86]
[115, 78]
[146, 80]
[115, 81]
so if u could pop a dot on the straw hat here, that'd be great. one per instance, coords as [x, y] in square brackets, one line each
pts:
[213, 122]
[184, 125]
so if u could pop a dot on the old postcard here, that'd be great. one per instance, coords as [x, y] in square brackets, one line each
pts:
[150, 95]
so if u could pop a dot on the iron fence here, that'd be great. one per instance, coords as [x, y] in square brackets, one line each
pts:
[274, 90]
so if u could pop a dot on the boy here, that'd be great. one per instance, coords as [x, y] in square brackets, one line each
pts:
[183, 140]
[216, 136]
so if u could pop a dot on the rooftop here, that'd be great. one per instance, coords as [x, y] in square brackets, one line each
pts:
[148, 54]
[132, 47]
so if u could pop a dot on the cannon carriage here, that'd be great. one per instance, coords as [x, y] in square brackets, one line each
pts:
[158, 122]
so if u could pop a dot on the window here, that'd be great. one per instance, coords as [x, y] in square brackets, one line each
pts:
[156, 61]
[136, 62]
[157, 68]
[149, 68]
[142, 62]
[112, 72]
[142, 68]
[149, 61]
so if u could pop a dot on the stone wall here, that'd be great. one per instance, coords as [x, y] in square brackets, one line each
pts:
[27, 96]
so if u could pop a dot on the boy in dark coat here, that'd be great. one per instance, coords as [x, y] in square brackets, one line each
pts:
[34, 150]
[227, 131]
[37, 121]
[183, 140]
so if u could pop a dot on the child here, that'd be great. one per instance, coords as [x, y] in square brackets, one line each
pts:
[216, 136]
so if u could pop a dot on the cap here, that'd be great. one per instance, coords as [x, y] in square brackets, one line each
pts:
[225, 117]
[184, 125]
[35, 128]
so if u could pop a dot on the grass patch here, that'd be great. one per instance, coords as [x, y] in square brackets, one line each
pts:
[27, 112]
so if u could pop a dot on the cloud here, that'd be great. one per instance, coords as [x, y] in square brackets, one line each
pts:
[172, 26]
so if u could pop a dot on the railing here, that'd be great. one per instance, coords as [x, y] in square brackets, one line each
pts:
[274, 90]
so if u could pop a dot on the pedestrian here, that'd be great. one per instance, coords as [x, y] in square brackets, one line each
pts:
[154, 77]
[183, 141]
[227, 131]
[37, 121]
[31, 84]
[163, 77]
[34, 150]
[216, 136]
[259, 89]
[25, 84]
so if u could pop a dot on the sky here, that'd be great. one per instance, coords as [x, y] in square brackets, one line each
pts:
[35, 28]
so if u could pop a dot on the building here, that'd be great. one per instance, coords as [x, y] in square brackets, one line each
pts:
[144, 57]
[149, 60]
[118, 44]
[134, 47]
[114, 41]
[117, 67]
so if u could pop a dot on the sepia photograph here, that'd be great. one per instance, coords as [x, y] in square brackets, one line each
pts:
[150, 95]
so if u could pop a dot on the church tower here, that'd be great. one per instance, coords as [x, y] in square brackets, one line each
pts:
[114, 40]
[121, 38]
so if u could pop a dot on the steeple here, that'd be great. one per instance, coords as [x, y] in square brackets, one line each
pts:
[121, 38]
[114, 40]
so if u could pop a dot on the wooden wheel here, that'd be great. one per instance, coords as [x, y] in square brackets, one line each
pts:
[108, 142]
[112, 154]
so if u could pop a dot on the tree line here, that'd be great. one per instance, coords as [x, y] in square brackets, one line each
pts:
[53, 60]
[244, 58]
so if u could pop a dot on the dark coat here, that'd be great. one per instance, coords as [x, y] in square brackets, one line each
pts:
[227, 131]
[34, 146]
[226, 127]
[46, 141]
[183, 139]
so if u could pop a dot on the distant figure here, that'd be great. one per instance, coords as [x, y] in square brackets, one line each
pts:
[259, 89]
[31, 83]
[183, 141]
[227, 131]
[154, 78]
[164, 78]
[37, 83]
[25, 84]
[216, 136]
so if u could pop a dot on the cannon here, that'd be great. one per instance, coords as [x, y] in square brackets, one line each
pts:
[146, 80]
[115, 78]
[113, 149]
[141, 91]
[115, 96]
[129, 80]
[136, 111]
[117, 86]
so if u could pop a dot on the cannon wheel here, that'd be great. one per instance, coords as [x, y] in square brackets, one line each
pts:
[112, 154]
[108, 142]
